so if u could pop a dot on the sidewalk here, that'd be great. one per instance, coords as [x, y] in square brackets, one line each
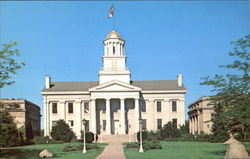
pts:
[114, 150]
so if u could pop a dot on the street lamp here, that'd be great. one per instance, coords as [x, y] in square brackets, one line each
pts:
[84, 137]
[141, 148]
[101, 133]
[129, 135]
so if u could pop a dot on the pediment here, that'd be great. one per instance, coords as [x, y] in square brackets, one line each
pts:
[115, 86]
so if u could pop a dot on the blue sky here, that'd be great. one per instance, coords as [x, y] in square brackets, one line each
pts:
[163, 39]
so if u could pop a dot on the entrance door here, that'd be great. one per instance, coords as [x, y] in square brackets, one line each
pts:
[116, 127]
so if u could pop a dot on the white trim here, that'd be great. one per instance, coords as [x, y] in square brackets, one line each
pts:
[107, 84]
[164, 91]
[65, 92]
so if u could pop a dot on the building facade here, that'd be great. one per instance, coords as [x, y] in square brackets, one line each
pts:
[114, 104]
[200, 115]
[26, 114]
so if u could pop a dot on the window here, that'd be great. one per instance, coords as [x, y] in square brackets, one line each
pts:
[143, 106]
[71, 122]
[54, 108]
[113, 50]
[53, 123]
[70, 108]
[87, 125]
[144, 124]
[159, 124]
[174, 106]
[104, 125]
[175, 122]
[86, 107]
[158, 104]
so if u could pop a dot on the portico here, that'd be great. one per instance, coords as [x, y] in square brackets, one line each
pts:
[118, 101]
[115, 112]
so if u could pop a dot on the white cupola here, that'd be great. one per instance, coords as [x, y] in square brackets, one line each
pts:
[114, 60]
[113, 44]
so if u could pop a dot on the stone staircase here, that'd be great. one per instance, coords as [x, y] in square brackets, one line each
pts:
[115, 138]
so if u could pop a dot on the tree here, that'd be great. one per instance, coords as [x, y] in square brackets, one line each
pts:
[8, 63]
[184, 129]
[232, 93]
[8, 129]
[169, 131]
[61, 131]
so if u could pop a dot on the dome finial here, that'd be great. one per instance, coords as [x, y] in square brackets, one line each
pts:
[113, 35]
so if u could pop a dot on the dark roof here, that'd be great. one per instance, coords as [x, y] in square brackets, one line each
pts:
[158, 85]
[144, 85]
[71, 86]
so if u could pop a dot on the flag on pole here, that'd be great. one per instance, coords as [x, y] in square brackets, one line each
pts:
[111, 12]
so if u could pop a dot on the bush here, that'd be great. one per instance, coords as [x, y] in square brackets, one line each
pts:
[146, 144]
[132, 145]
[89, 136]
[144, 135]
[45, 139]
[154, 135]
[41, 140]
[151, 144]
[169, 131]
[79, 147]
[61, 131]
[202, 137]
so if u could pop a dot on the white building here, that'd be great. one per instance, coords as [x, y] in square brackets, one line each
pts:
[114, 104]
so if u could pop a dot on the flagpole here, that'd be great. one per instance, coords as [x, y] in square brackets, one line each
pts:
[114, 16]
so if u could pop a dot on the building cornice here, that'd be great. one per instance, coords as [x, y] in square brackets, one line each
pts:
[65, 93]
[163, 91]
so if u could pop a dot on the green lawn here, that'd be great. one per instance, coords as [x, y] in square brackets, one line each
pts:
[182, 150]
[32, 152]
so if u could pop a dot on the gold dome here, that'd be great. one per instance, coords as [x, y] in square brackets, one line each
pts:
[113, 35]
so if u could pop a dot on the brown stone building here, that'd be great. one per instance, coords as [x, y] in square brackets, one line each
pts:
[26, 115]
[200, 114]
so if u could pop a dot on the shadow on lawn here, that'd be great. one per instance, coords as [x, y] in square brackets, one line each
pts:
[19, 153]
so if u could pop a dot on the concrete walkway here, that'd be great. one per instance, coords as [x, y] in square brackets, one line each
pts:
[114, 150]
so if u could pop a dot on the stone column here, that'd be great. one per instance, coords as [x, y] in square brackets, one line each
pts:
[45, 107]
[137, 115]
[122, 117]
[93, 116]
[78, 118]
[108, 117]
[61, 110]
[198, 122]
[195, 124]
[48, 118]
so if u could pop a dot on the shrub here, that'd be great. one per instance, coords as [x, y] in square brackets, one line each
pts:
[79, 147]
[151, 144]
[169, 131]
[154, 135]
[45, 139]
[132, 145]
[89, 136]
[144, 135]
[41, 140]
[146, 144]
[61, 131]
[202, 137]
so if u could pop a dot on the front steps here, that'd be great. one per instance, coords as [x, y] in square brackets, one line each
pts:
[116, 138]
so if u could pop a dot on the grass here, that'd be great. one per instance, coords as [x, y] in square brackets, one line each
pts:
[32, 152]
[182, 150]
